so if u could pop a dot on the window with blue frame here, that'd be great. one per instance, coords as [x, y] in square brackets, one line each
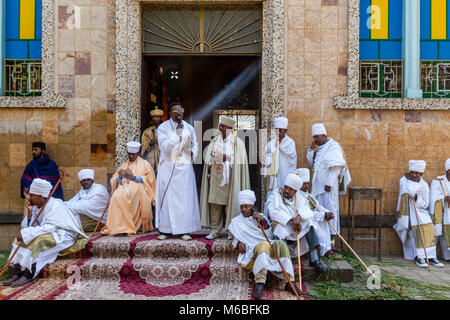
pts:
[22, 63]
[435, 48]
[380, 49]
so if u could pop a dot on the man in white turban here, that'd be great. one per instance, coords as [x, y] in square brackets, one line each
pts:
[281, 155]
[321, 214]
[177, 209]
[440, 209]
[133, 192]
[255, 253]
[225, 173]
[330, 173]
[413, 202]
[292, 217]
[57, 229]
[90, 202]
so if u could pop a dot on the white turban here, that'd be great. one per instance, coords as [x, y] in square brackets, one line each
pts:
[417, 165]
[133, 147]
[86, 174]
[227, 121]
[303, 173]
[447, 164]
[293, 181]
[280, 123]
[247, 197]
[318, 128]
[40, 187]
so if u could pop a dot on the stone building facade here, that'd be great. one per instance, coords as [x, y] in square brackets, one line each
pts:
[90, 103]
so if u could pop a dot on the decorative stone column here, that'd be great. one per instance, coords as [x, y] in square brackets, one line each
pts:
[411, 48]
[3, 41]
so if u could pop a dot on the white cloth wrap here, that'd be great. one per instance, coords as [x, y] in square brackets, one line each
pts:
[90, 202]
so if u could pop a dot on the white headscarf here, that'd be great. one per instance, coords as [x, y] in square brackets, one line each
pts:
[247, 197]
[417, 165]
[318, 128]
[447, 164]
[40, 187]
[280, 123]
[303, 173]
[85, 174]
[293, 181]
[133, 147]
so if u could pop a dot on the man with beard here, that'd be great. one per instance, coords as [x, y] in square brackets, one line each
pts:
[40, 167]
[149, 140]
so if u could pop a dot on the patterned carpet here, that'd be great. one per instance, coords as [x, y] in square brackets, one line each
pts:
[141, 267]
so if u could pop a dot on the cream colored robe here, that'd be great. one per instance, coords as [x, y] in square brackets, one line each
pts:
[131, 201]
[239, 180]
[441, 213]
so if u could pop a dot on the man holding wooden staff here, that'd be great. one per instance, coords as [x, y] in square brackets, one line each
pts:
[440, 209]
[56, 229]
[255, 253]
[90, 202]
[414, 225]
[292, 217]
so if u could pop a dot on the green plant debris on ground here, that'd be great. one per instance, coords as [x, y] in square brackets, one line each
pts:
[4, 255]
[392, 287]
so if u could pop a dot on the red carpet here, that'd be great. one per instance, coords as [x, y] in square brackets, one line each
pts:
[141, 267]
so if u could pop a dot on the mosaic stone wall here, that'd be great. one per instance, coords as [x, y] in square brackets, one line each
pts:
[308, 60]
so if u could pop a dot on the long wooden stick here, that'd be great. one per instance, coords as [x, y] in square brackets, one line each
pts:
[298, 246]
[421, 234]
[101, 218]
[442, 185]
[34, 221]
[279, 262]
[343, 240]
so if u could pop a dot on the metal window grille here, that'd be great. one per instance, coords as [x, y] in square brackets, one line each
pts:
[435, 79]
[381, 78]
[22, 77]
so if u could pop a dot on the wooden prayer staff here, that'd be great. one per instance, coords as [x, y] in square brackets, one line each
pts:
[442, 186]
[278, 259]
[101, 218]
[62, 173]
[421, 234]
[298, 246]
[343, 240]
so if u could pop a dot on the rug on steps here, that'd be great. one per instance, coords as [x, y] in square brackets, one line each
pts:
[142, 267]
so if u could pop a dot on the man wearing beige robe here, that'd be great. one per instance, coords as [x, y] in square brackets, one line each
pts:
[134, 189]
[149, 140]
[225, 174]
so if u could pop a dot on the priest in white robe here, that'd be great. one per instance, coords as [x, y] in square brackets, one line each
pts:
[177, 208]
[57, 229]
[255, 253]
[281, 155]
[321, 216]
[292, 216]
[412, 214]
[330, 173]
[90, 202]
[440, 210]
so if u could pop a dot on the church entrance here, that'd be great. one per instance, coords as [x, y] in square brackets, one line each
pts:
[209, 59]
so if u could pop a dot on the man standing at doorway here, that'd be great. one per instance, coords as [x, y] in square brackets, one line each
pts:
[149, 141]
[225, 174]
[177, 209]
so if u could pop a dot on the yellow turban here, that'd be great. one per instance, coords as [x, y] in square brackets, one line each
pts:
[156, 112]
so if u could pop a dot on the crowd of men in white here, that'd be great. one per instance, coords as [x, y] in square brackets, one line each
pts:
[298, 204]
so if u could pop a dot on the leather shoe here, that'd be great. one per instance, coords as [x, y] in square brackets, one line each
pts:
[288, 288]
[8, 282]
[318, 266]
[257, 291]
[330, 253]
[337, 250]
[23, 280]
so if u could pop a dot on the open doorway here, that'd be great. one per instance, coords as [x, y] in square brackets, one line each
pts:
[195, 81]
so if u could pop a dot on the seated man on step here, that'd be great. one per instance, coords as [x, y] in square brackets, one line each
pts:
[56, 229]
[254, 251]
[292, 217]
[90, 202]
